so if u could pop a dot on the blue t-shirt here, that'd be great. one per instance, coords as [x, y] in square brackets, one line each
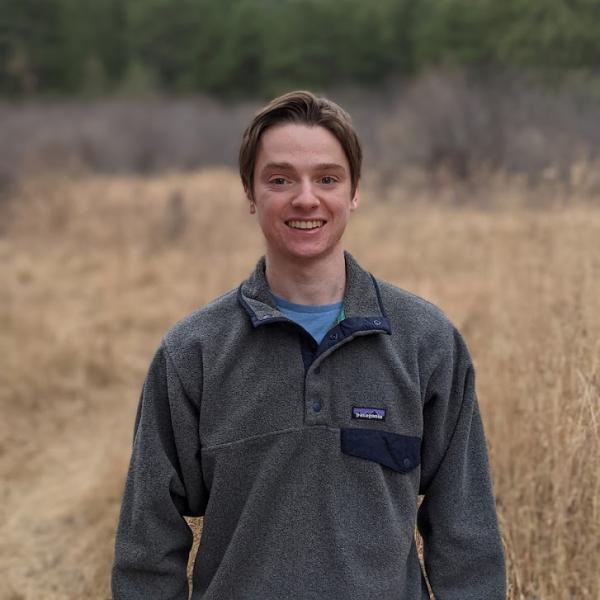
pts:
[316, 319]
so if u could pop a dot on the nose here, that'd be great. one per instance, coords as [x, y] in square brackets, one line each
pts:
[306, 197]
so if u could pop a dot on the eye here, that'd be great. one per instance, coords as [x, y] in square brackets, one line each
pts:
[327, 179]
[278, 181]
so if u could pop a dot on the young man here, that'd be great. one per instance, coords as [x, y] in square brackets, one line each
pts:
[304, 412]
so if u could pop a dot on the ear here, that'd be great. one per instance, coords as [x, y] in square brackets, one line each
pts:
[248, 194]
[354, 202]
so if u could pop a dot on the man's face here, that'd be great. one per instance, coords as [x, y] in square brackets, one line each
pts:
[302, 192]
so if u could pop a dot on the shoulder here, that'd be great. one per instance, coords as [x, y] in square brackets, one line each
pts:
[419, 321]
[412, 309]
[187, 342]
[203, 324]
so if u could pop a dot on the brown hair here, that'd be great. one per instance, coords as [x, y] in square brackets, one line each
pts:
[305, 108]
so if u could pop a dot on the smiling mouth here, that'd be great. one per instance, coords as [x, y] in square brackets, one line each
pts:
[315, 224]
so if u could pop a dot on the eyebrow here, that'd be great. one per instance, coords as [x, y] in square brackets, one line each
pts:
[286, 166]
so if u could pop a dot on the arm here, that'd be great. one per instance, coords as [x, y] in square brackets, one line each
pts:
[164, 483]
[457, 518]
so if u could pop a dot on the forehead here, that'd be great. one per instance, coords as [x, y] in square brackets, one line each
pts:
[300, 145]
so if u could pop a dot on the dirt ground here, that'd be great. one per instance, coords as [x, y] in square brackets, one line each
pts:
[62, 481]
[61, 499]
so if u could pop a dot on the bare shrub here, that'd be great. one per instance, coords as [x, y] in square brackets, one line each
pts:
[459, 128]
[446, 128]
[445, 123]
[121, 136]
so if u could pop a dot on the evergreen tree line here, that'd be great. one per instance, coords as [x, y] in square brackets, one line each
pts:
[236, 48]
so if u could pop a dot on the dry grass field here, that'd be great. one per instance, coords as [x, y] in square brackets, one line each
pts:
[94, 271]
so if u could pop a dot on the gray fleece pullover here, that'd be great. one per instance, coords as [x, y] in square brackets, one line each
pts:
[306, 461]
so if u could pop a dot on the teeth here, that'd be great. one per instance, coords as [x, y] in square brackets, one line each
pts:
[305, 224]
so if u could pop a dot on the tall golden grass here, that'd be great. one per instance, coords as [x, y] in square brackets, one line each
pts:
[94, 271]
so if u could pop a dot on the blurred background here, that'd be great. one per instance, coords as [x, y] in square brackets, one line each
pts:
[121, 211]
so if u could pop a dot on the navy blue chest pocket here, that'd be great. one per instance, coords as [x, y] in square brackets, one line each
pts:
[401, 453]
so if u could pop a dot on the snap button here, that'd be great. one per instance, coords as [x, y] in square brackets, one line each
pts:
[333, 336]
[376, 322]
[406, 462]
[316, 407]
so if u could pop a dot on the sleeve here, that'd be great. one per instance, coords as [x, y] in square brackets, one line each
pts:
[457, 518]
[164, 482]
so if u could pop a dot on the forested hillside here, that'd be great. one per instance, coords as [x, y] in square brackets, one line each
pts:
[235, 48]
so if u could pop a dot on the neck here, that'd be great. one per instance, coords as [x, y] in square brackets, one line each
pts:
[307, 282]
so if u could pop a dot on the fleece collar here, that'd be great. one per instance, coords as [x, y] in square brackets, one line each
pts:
[362, 300]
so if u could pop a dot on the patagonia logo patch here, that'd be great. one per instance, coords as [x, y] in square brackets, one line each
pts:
[368, 413]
